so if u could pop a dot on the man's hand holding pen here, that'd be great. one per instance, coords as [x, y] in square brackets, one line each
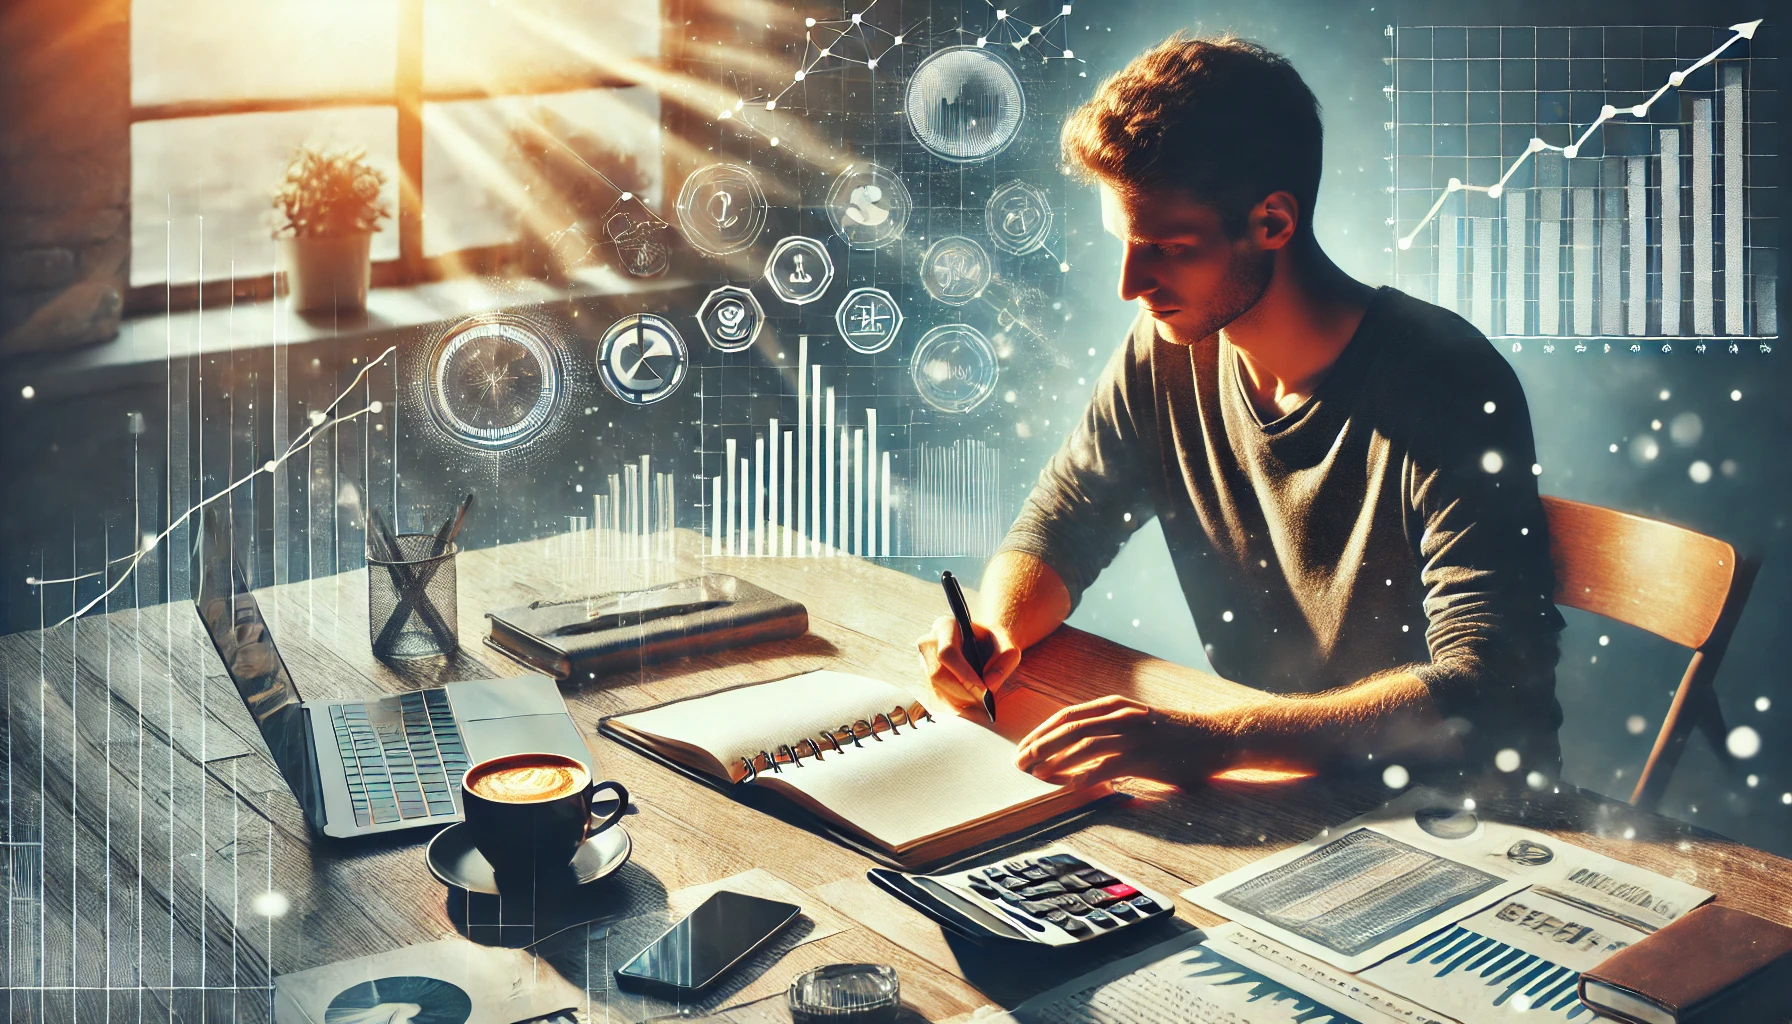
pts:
[949, 673]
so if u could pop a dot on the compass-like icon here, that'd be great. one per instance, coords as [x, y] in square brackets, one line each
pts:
[868, 318]
[642, 359]
[721, 208]
[955, 270]
[869, 206]
[494, 382]
[799, 270]
[730, 318]
[1019, 217]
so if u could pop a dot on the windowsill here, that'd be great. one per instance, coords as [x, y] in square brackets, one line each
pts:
[153, 339]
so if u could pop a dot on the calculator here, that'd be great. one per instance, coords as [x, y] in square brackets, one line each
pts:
[1055, 897]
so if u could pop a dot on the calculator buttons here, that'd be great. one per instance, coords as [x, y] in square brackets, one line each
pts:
[1067, 903]
[1097, 877]
[1038, 908]
[1017, 866]
[1075, 926]
[1120, 891]
[1072, 883]
[1057, 917]
[983, 888]
[994, 872]
[1123, 911]
[1013, 882]
[1042, 889]
[1096, 898]
[1099, 918]
[1036, 874]
[1145, 904]
[1062, 862]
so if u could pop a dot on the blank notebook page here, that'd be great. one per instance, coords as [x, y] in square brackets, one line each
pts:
[928, 779]
[741, 722]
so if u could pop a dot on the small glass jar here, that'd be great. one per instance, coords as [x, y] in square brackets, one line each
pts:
[846, 994]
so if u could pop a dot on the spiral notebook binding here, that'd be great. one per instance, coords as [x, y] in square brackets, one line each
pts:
[792, 754]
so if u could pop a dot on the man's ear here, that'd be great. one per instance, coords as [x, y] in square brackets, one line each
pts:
[1275, 220]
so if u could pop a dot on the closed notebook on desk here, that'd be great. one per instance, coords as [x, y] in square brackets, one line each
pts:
[1715, 964]
[603, 633]
[859, 754]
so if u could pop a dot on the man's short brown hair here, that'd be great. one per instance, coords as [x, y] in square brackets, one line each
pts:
[1224, 120]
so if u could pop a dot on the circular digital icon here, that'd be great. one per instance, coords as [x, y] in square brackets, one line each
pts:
[799, 270]
[1018, 216]
[494, 382]
[955, 270]
[642, 359]
[721, 209]
[954, 368]
[869, 206]
[640, 240]
[868, 319]
[730, 318]
[964, 104]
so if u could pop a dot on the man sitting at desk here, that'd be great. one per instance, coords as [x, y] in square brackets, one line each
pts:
[1344, 474]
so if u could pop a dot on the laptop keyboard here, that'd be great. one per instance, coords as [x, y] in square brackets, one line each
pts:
[403, 756]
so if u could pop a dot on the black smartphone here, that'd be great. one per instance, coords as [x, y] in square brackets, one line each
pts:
[697, 950]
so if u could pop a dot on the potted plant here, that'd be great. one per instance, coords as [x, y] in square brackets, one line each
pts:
[329, 206]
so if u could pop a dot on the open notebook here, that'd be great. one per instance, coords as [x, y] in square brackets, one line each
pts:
[860, 754]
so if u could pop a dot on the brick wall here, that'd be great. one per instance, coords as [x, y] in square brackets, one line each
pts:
[65, 170]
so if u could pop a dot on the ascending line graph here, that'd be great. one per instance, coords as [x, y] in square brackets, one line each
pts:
[1571, 150]
[1589, 182]
[322, 421]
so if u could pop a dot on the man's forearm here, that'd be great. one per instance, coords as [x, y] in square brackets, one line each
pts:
[1022, 597]
[1391, 716]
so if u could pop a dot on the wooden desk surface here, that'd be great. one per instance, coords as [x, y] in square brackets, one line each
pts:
[145, 821]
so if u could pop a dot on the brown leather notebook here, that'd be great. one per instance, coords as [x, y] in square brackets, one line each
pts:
[1716, 959]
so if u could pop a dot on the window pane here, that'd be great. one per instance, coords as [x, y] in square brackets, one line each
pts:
[224, 169]
[261, 49]
[481, 185]
[476, 44]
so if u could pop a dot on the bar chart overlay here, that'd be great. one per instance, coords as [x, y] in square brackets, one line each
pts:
[819, 461]
[1608, 184]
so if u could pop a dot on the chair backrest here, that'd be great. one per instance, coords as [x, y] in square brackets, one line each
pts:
[1643, 572]
[1680, 585]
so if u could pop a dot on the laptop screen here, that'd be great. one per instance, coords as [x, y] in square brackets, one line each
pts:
[234, 621]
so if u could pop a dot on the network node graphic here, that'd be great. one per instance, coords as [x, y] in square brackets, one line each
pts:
[954, 368]
[731, 318]
[640, 240]
[414, 999]
[494, 382]
[721, 209]
[642, 359]
[1019, 217]
[964, 104]
[955, 270]
[868, 319]
[869, 206]
[799, 270]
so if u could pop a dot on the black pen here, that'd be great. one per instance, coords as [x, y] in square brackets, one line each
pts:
[973, 650]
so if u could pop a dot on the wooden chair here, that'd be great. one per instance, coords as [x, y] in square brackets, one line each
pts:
[1680, 585]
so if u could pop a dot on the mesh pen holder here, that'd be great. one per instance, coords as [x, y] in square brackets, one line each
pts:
[411, 604]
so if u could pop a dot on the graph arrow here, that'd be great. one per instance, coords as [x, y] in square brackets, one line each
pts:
[1746, 30]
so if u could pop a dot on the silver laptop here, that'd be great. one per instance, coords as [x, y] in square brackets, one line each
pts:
[375, 764]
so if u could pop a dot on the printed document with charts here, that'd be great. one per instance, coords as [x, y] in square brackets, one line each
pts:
[1226, 975]
[1487, 919]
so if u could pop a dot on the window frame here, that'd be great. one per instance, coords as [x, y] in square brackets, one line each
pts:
[408, 97]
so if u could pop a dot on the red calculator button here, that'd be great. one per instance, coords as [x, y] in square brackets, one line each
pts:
[1120, 891]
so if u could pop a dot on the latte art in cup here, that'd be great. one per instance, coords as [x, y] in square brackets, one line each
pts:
[516, 781]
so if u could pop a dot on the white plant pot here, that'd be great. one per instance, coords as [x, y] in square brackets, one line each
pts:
[329, 273]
